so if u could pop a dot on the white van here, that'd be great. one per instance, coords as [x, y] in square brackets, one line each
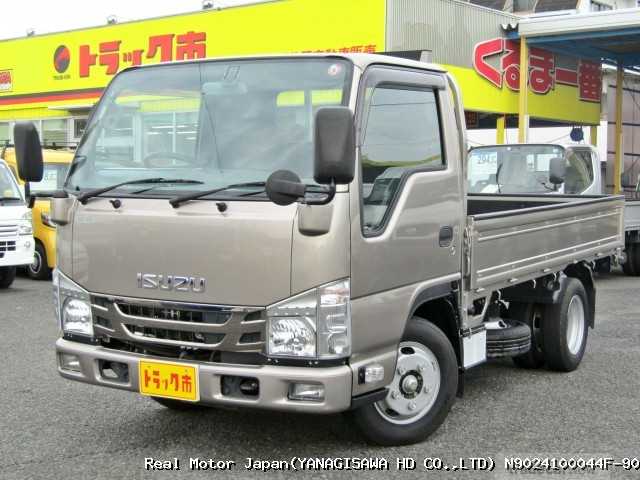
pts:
[16, 232]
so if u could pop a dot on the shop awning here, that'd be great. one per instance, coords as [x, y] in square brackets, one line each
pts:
[611, 37]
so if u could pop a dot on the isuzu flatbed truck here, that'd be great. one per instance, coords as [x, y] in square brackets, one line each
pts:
[294, 233]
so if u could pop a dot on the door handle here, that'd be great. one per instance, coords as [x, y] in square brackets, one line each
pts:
[446, 236]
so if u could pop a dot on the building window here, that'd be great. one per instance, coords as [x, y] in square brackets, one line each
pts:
[79, 126]
[54, 131]
[5, 132]
[600, 7]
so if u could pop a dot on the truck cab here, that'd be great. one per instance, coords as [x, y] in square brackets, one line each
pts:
[525, 169]
[294, 233]
[16, 233]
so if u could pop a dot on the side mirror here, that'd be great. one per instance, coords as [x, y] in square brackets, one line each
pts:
[28, 151]
[557, 170]
[284, 187]
[335, 146]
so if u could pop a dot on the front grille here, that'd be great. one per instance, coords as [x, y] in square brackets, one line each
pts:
[178, 314]
[176, 335]
[8, 230]
[7, 246]
[150, 324]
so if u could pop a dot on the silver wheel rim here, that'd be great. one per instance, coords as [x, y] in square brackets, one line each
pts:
[415, 385]
[575, 325]
[37, 263]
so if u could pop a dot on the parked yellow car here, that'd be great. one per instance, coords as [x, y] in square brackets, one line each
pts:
[56, 164]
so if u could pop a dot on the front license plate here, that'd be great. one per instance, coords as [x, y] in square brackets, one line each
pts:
[169, 380]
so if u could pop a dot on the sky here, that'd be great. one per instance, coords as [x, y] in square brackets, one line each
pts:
[45, 16]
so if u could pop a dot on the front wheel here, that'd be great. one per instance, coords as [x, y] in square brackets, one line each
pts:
[39, 269]
[421, 393]
[7, 276]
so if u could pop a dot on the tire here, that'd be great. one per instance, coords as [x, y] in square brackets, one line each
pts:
[426, 362]
[177, 405]
[7, 276]
[507, 338]
[565, 328]
[636, 259]
[531, 315]
[632, 265]
[39, 269]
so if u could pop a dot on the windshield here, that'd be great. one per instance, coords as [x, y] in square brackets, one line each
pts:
[8, 187]
[512, 168]
[217, 122]
[52, 178]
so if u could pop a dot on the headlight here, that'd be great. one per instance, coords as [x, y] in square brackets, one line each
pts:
[46, 220]
[313, 324]
[24, 225]
[73, 306]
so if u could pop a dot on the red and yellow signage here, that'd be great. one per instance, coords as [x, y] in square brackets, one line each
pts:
[72, 68]
[66, 67]
[566, 89]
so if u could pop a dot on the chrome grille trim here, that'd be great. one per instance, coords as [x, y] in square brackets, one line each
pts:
[8, 230]
[191, 325]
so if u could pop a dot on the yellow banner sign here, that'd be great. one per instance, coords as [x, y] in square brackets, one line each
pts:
[78, 64]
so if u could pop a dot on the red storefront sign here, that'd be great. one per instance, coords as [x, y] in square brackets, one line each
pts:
[544, 74]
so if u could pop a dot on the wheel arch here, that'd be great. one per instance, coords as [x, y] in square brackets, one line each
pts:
[439, 306]
[584, 274]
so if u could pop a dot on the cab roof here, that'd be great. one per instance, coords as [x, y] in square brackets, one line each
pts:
[360, 60]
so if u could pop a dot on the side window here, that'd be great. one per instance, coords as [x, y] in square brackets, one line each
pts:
[401, 133]
[579, 172]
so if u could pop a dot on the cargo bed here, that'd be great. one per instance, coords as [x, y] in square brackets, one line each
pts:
[514, 238]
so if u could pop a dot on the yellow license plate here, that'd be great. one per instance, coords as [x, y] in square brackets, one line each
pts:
[169, 380]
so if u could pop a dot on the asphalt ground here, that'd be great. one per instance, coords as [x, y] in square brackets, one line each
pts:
[54, 428]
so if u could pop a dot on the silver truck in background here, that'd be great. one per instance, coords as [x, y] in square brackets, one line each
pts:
[294, 233]
[524, 169]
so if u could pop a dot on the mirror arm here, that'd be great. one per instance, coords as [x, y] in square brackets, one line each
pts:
[331, 193]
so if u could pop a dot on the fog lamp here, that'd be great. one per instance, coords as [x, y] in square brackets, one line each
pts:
[306, 392]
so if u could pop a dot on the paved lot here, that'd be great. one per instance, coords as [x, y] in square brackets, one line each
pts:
[51, 428]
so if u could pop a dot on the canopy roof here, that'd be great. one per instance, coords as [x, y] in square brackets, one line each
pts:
[609, 36]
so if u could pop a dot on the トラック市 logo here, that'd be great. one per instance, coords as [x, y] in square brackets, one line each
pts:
[61, 59]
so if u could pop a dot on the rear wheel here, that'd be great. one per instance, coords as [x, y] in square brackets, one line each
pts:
[7, 276]
[632, 265]
[565, 327]
[421, 393]
[39, 269]
[531, 315]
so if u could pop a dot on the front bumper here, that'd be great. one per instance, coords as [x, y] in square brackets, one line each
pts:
[22, 255]
[274, 380]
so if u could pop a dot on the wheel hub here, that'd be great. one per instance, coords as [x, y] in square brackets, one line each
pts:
[415, 386]
[575, 324]
[410, 384]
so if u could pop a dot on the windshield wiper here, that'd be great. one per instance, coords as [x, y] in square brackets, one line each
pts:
[4, 199]
[176, 201]
[83, 197]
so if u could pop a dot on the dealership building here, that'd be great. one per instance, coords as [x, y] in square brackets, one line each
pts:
[55, 79]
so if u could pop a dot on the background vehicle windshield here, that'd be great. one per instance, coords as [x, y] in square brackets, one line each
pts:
[512, 168]
[8, 187]
[52, 178]
[216, 122]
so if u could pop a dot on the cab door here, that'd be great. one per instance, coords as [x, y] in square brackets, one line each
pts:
[407, 208]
